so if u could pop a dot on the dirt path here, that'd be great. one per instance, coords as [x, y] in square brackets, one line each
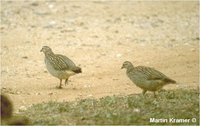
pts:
[98, 36]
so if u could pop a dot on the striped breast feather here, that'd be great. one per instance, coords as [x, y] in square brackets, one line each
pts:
[150, 73]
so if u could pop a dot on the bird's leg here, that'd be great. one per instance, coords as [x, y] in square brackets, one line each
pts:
[154, 94]
[60, 83]
[66, 81]
[144, 91]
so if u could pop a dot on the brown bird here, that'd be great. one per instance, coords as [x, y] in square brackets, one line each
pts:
[146, 78]
[59, 66]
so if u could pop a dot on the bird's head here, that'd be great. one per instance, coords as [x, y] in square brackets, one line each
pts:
[46, 49]
[127, 65]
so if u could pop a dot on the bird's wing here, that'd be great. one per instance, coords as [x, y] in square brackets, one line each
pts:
[60, 62]
[65, 63]
[150, 73]
[68, 64]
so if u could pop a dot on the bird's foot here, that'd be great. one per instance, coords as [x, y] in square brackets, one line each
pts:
[59, 87]
[66, 82]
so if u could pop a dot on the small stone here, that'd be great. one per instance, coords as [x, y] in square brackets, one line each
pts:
[74, 88]
[50, 6]
[68, 30]
[90, 95]
[80, 24]
[50, 93]
[18, 92]
[87, 86]
[83, 118]
[193, 50]
[38, 93]
[52, 22]
[186, 43]
[136, 110]
[22, 108]
[34, 4]
[116, 31]
[118, 55]
[25, 57]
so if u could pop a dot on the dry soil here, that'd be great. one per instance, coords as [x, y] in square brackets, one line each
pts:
[98, 36]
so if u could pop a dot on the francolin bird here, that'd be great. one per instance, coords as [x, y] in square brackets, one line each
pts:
[146, 78]
[59, 65]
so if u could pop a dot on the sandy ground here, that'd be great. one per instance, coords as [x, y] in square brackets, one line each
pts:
[99, 37]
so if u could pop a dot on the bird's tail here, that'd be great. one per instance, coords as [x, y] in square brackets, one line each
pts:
[168, 80]
[77, 70]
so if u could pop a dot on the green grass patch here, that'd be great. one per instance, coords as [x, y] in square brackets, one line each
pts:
[132, 109]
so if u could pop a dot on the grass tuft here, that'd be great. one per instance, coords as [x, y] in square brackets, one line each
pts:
[110, 110]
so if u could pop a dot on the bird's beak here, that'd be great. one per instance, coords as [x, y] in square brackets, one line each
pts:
[122, 67]
[41, 50]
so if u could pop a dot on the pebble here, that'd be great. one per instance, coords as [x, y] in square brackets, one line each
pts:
[50, 93]
[74, 88]
[34, 4]
[50, 6]
[41, 13]
[119, 55]
[90, 95]
[186, 43]
[18, 92]
[193, 50]
[38, 93]
[22, 108]
[97, 66]
[136, 110]
[147, 63]
[45, 71]
[25, 57]
[52, 22]
[87, 86]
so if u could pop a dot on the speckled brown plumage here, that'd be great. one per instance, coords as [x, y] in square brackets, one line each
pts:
[146, 78]
[59, 66]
